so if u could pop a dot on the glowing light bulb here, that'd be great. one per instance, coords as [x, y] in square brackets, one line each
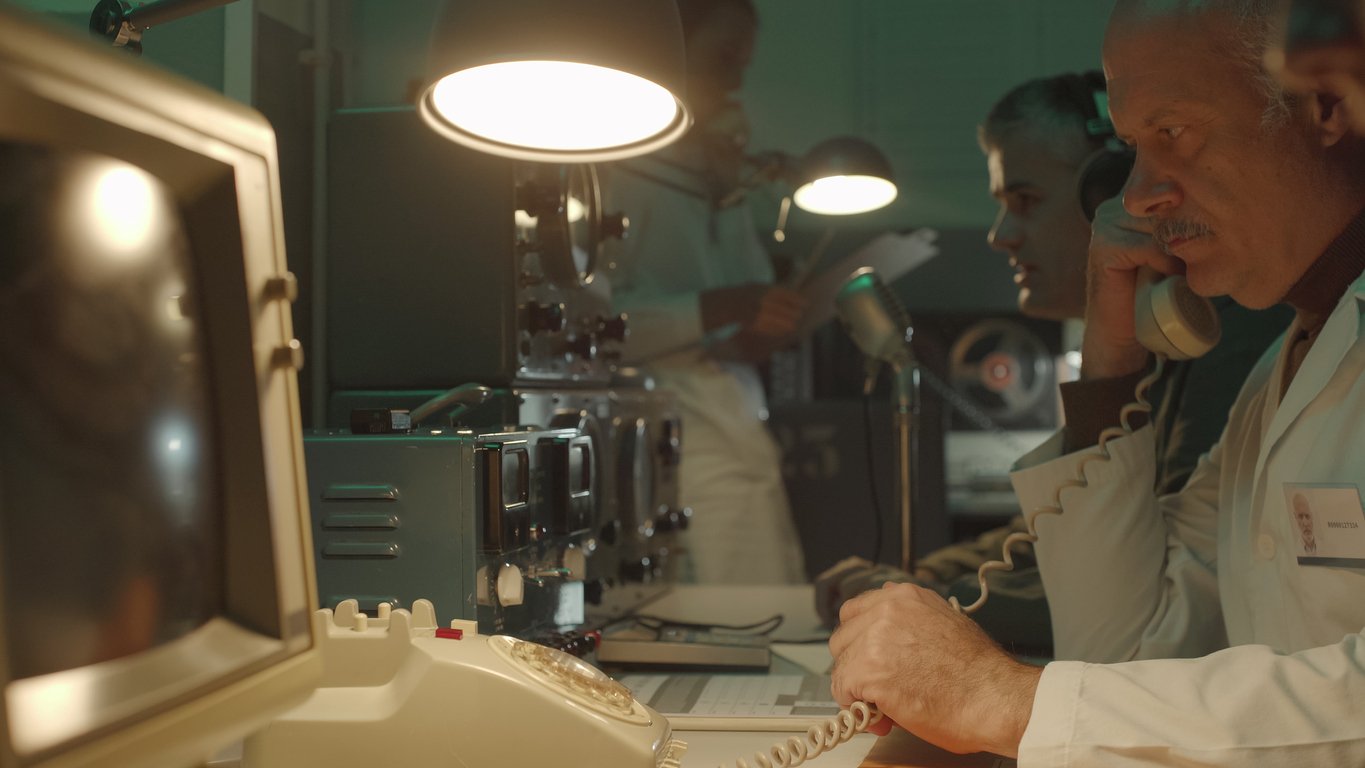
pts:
[554, 105]
[842, 195]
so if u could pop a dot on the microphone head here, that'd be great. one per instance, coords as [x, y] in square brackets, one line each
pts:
[875, 320]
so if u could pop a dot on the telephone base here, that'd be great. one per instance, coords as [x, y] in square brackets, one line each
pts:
[396, 693]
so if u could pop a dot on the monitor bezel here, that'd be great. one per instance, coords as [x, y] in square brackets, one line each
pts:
[58, 89]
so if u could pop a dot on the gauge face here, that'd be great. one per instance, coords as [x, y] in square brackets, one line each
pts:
[573, 677]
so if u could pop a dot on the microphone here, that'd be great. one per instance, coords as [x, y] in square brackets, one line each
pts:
[875, 320]
[880, 327]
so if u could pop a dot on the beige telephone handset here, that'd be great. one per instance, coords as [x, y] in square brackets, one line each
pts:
[1172, 320]
[1174, 323]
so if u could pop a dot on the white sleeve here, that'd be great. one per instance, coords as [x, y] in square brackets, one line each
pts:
[1127, 576]
[1240, 706]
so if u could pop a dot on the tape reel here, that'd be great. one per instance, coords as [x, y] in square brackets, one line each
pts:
[1004, 369]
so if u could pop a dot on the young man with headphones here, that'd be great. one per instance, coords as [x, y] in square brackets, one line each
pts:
[1052, 158]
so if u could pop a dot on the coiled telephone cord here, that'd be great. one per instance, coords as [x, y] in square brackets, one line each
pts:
[1140, 404]
[818, 739]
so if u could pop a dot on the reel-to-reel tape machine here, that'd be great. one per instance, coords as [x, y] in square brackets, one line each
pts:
[1002, 393]
[1006, 370]
[487, 277]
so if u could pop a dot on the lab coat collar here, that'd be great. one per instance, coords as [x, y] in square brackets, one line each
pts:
[1338, 334]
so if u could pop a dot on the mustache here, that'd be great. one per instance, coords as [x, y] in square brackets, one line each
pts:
[1167, 230]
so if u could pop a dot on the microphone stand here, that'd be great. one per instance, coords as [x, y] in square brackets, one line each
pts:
[882, 330]
[905, 414]
[906, 420]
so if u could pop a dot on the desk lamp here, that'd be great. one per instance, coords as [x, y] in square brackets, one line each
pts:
[554, 81]
[837, 177]
[842, 176]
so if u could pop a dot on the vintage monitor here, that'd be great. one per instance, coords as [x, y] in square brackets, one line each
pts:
[155, 568]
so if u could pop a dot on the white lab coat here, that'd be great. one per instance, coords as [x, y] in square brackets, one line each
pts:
[1209, 572]
[677, 247]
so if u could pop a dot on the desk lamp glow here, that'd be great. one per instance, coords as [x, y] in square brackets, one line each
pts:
[538, 80]
[844, 176]
[839, 177]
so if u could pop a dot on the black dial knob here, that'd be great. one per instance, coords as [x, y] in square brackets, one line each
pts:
[615, 225]
[593, 590]
[537, 198]
[544, 318]
[612, 328]
[638, 570]
[583, 346]
[610, 533]
[671, 519]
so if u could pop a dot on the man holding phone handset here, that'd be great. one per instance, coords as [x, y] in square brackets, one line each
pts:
[1258, 195]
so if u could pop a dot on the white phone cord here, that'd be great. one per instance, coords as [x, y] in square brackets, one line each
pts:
[818, 740]
[1139, 405]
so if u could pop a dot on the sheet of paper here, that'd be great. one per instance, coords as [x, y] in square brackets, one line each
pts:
[891, 254]
[724, 695]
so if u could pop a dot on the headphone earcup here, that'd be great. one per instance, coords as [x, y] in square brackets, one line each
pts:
[1101, 177]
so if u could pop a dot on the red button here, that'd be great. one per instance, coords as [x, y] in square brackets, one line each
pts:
[450, 634]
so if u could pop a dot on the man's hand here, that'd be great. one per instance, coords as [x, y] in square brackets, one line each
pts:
[1119, 245]
[769, 310]
[768, 317]
[931, 670]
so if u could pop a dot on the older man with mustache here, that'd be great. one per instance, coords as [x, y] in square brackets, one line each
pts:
[1224, 648]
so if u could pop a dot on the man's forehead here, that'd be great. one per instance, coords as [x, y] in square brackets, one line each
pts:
[1175, 57]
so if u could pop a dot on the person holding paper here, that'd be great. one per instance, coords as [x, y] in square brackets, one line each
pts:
[703, 310]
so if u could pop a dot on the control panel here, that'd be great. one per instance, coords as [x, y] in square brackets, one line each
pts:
[498, 525]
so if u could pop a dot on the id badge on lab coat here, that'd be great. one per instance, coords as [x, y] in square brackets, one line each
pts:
[1328, 522]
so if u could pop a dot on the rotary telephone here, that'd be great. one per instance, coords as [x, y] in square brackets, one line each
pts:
[398, 689]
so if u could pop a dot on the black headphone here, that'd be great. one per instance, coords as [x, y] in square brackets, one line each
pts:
[1102, 174]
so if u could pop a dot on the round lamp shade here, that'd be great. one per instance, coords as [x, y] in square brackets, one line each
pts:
[842, 176]
[558, 81]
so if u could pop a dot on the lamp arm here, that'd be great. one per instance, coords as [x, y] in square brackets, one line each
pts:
[123, 25]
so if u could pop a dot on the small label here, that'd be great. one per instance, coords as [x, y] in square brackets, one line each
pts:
[1327, 524]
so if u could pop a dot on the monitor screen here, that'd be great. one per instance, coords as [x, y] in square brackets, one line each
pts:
[107, 453]
[156, 583]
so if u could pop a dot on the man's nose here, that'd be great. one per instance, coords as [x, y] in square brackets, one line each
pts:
[1150, 190]
[1006, 235]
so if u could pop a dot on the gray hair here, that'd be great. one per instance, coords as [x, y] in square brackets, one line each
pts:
[1256, 25]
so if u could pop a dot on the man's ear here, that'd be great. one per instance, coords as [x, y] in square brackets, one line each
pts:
[1329, 117]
